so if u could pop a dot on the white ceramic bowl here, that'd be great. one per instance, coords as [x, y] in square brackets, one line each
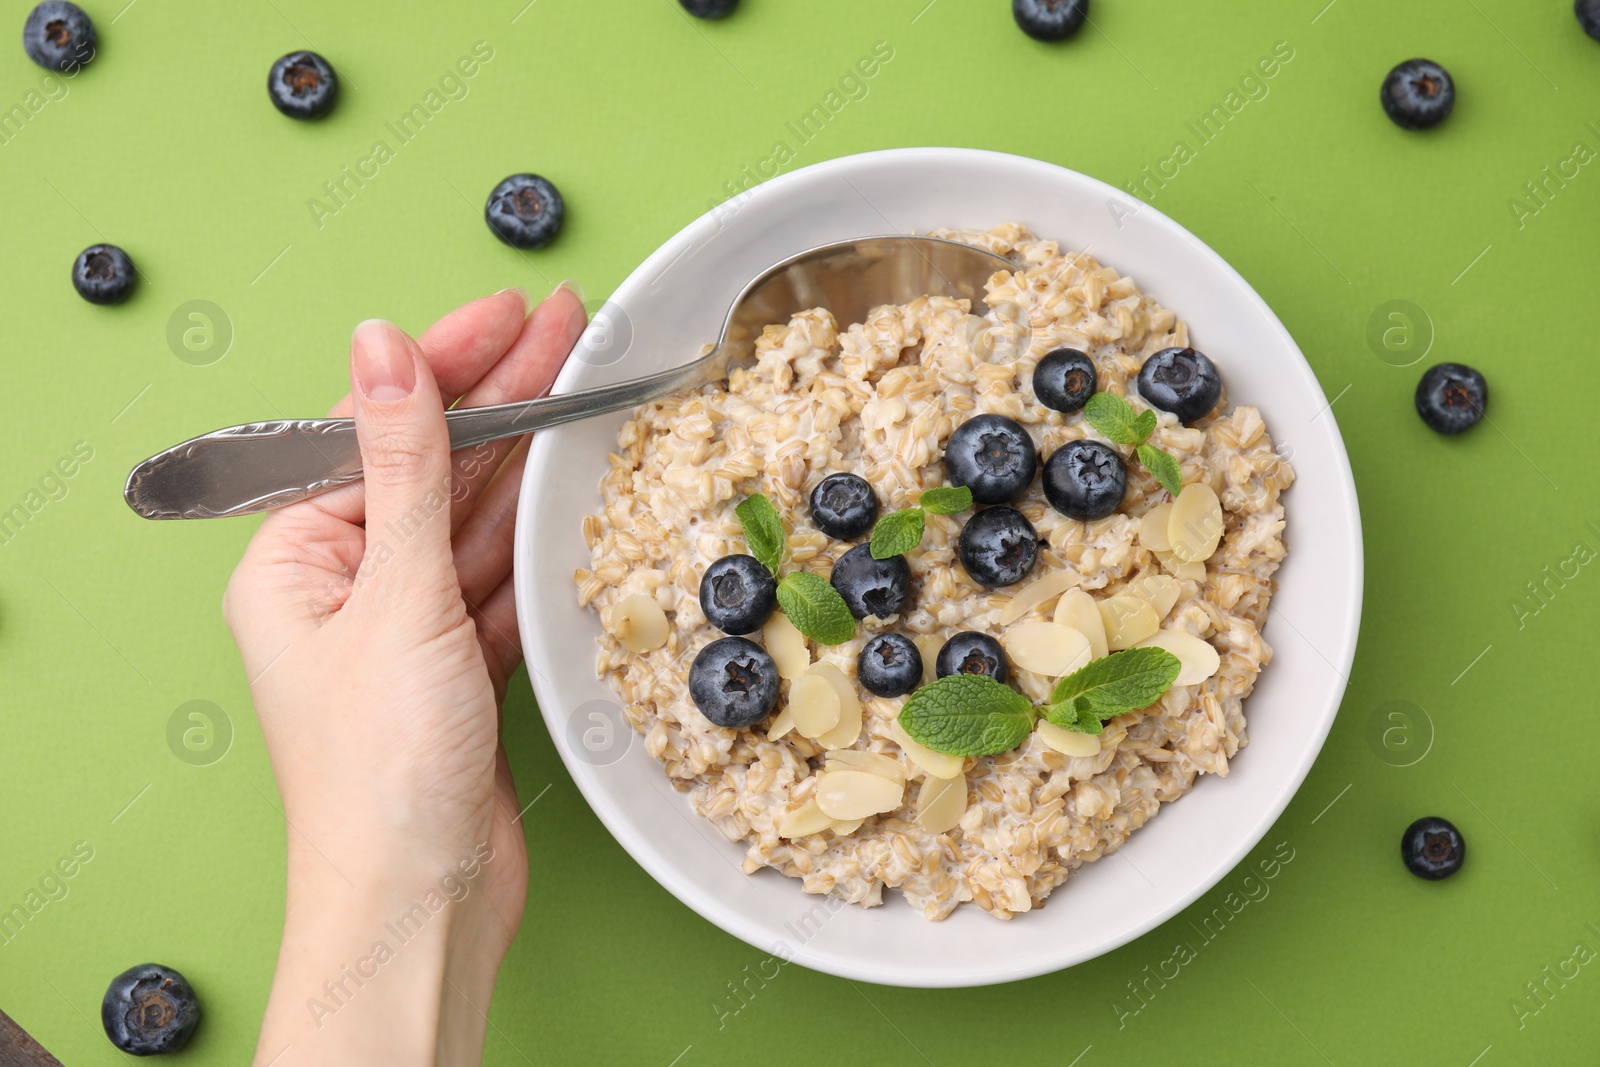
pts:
[675, 302]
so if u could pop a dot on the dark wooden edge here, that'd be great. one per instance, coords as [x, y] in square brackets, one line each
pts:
[19, 1049]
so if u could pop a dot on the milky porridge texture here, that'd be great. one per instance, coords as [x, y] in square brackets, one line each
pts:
[880, 399]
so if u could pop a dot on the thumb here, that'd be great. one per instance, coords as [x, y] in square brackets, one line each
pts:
[405, 451]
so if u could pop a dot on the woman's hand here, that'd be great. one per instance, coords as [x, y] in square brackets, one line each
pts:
[377, 627]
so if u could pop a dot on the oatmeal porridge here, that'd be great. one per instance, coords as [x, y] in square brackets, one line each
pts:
[824, 781]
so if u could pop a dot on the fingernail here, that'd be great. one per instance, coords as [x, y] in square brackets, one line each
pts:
[383, 366]
[572, 287]
[527, 298]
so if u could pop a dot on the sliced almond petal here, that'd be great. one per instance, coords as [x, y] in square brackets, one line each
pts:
[1037, 594]
[804, 820]
[1184, 572]
[1153, 528]
[848, 728]
[786, 645]
[1157, 590]
[849, 795]
[1195, 525]
[1198, 658]
[782, 723]
[928, 645]
[850, 759]
[639, 624]
[844, 828]
[1128, 620]
[1047, 648]
[934, 764]
[1077, 609]
[940, 804]
[1068, 742]
[813, 704]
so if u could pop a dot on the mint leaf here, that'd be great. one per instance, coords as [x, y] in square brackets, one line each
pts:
[967, 715]
[1077, 715]
[1115, 419]
[816, 608]
[763, 530]
[1121, 682]
[946, 500]
[1162, 467]
[1144, 426]
[897, 533]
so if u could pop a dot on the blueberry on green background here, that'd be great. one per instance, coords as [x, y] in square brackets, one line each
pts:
[1050, 20]
[149, 1009]
[1588, 12]
[1418, 94]
[525, 211]
[103, 274]
[302, 85]
[1451, 397]
[970, 652]
[59, 36]
[1432, 848]
[709, 9]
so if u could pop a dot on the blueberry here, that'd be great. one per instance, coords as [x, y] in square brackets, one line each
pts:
[844, 506]
[1085, 480]
[1588, 12]
[1432, 848]
[998, 546]
[302, 85]
[103, 274]
[1182, 381]
[1451, 397]
[59, 36]
[890, 665]
[872, 586]
[969, 652]
[1050, 20]
[738, 594]
[709, 9]
[525, 211]
[733, 682]
[1418, 94]
[1064, 380]
[992, 456]
[149, 1009]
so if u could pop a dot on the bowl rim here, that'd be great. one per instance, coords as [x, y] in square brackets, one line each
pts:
[888, 972]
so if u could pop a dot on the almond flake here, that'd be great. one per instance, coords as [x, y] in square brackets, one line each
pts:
[934, 764]
[1195, 526]
[1153, 528]
[850, 759]
[1047, 648]
[1037, 594]
[786, 645]
[940, 804]
[639, 624]
[1157, 590]
[844, 828]
[813, 704]
[805, 820]
[781, 724]
[928, 645]
[1068, 742]
[1128, 620]
[1198, 658]
[1078, 609]
[847, 795]
[848, 728]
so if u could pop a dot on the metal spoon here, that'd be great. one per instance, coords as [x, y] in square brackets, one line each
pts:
[246, 469]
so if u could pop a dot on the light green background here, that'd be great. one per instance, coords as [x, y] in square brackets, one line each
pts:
[168, 146]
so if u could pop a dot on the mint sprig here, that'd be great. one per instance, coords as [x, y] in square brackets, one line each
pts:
[1110, 686]
[816, 608]
[763, 530]
[1117, 422]
[900, 531]
[967, 715]
[812, 603]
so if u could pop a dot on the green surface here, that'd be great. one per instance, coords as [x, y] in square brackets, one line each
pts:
[168, 146]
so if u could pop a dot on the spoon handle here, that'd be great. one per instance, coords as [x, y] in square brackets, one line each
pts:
[242, 470]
